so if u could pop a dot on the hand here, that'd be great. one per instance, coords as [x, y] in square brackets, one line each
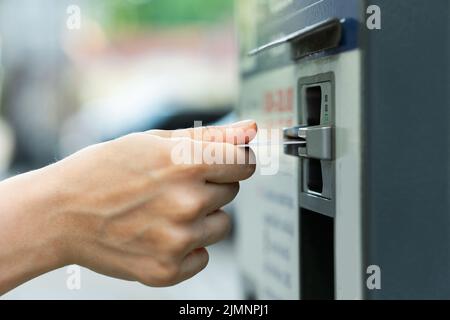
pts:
[126, 210]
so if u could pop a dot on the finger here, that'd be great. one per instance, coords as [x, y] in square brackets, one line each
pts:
[215, 227]
[236, 164]
[237, 133]
[217, 162]
[218, 195]
[193, 263]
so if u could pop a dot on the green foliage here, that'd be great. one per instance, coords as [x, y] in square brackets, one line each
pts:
[168, 12]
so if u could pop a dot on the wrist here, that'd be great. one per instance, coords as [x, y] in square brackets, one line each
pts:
[33, 239]
[50, 216]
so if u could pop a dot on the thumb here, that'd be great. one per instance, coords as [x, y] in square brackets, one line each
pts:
[236, 133]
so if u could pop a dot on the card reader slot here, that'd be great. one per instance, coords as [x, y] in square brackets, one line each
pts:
[313, 105]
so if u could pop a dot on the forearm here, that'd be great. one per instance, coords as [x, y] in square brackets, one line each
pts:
[30, 230]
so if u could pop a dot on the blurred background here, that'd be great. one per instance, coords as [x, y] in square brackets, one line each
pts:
[132, 65]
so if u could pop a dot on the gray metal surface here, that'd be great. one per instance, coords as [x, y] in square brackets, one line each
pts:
[406, 149]
[319, 142]
[391, 172]
[300, 14]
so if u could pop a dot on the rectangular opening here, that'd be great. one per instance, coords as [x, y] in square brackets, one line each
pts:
[315, 179]
[313, 105]
[325, 35]
[316, 256]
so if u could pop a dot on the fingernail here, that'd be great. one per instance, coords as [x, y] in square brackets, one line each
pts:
[243, 123]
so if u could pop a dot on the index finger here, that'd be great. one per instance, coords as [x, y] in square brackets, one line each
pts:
[237, 133]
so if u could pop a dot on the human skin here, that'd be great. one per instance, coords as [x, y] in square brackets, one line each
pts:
[121, 208]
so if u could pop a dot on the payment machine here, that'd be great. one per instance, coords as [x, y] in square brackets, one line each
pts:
[359, 208]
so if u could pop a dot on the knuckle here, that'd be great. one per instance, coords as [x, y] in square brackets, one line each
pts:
[189, 171]
[193, 206]
[167, 274]
[146, 278]
[161, 275]
[197, 236]
[142, 274]
[178, 241]
[194, 170]
[183, 240]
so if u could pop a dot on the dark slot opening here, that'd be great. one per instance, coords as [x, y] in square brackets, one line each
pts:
[315, 180]
[325, 36]
[313, 105]
[316, 256]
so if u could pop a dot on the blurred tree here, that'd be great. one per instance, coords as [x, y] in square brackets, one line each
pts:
[166, 13]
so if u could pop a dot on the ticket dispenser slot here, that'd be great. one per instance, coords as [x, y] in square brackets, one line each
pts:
[321, 36]
[316, 256]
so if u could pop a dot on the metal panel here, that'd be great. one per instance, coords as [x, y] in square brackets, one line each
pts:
[267, 206]
[406, 149]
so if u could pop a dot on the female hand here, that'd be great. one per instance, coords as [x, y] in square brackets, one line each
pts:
[123, 208]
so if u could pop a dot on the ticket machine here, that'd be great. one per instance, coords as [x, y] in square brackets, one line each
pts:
[359, 208]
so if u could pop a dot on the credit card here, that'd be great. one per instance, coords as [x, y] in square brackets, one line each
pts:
[272, 144]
